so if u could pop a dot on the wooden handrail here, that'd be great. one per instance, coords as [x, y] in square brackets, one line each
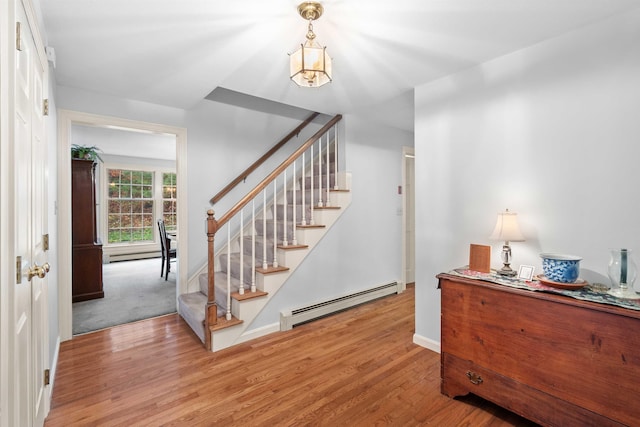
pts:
[261, 160]
[277, 171]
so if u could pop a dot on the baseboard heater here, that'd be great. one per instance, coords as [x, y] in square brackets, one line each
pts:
[109, 258]
[291, 318]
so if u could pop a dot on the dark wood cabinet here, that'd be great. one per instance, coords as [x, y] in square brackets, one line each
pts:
[556, 360]
[86, 247]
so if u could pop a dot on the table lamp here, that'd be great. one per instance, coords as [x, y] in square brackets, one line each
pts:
[507, 229]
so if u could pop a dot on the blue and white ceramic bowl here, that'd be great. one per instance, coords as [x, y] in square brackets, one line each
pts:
[561, 268]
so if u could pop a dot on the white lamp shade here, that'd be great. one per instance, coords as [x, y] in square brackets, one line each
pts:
[310, 65]
[507, 228]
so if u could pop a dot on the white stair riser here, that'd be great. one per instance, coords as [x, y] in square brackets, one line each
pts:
[270, 283]
[310, 236]
[248, 309]
[291, 256]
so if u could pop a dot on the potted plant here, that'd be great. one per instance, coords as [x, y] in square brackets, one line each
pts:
[85, 153]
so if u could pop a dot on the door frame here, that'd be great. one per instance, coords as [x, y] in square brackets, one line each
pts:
[407, 152]
[68, 118]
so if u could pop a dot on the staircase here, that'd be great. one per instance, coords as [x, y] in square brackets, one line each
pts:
[268, 234]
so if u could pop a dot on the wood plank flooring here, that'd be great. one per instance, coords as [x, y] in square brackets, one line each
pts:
[356, 368]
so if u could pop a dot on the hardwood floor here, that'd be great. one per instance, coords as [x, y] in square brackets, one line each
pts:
[356, 368]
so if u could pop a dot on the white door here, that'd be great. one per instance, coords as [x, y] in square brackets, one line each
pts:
[30, 328]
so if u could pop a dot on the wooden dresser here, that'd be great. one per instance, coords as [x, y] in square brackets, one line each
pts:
[553, 359]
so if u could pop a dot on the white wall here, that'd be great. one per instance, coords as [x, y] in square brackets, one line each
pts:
[551, 132]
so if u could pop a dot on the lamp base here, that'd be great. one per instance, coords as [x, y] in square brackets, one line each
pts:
[506, 271]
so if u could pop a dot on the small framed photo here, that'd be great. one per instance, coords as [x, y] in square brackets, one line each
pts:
[525, 272]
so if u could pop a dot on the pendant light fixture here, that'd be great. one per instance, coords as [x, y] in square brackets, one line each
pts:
[310, 65]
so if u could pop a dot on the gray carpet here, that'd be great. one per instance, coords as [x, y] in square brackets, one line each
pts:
[133, 290]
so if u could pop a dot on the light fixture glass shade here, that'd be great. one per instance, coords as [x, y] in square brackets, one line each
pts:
[507, 228]
[310, 65]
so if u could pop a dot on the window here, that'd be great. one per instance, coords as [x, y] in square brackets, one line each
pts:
[169, 200]
[130, 206]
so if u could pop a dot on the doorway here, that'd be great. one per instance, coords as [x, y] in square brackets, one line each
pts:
[134, 182]
[408, 215]
[66, 122]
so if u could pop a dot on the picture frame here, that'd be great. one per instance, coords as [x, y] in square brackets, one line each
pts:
[525, 272]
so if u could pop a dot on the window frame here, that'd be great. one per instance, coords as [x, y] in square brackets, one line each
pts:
[121, 248]
[131, 200]
[174, 226]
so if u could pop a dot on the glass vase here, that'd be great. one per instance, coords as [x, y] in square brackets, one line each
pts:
[622, 272]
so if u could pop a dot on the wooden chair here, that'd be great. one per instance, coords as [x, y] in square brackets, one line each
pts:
[167, 253]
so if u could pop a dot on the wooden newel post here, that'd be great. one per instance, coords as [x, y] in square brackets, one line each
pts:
[211, 310]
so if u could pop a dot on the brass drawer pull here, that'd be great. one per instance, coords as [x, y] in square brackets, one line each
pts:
[474, 378]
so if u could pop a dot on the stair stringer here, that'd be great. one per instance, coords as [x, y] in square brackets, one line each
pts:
[248, 309]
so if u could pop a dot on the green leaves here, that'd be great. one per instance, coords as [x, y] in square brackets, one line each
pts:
[86, 153]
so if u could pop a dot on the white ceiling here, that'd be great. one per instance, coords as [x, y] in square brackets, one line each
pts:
[175, 53]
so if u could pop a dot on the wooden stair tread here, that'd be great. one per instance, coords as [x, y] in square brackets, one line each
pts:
[325, 208]
[223, 323]
[271, 270]
[293, 247]
[339, 190]
[311, 226]
[247, 295]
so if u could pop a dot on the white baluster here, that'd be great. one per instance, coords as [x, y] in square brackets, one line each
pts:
[253, 245]
[241, 288]
[294, 238]
[320, 203]
[229, 271]
[328, 170]
[264, 229]
[285, 238]
[304, 193]
[335, 156]
[275, 223]
[312, 199]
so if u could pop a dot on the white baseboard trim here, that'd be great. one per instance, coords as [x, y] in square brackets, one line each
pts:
[426, 343]
[259, 332]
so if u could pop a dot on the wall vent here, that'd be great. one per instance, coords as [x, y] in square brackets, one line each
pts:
[291, 318]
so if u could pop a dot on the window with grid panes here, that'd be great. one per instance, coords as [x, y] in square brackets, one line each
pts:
[130, 206]
[169, 200]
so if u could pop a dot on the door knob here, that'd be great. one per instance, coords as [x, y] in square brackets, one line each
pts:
[38, 271]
